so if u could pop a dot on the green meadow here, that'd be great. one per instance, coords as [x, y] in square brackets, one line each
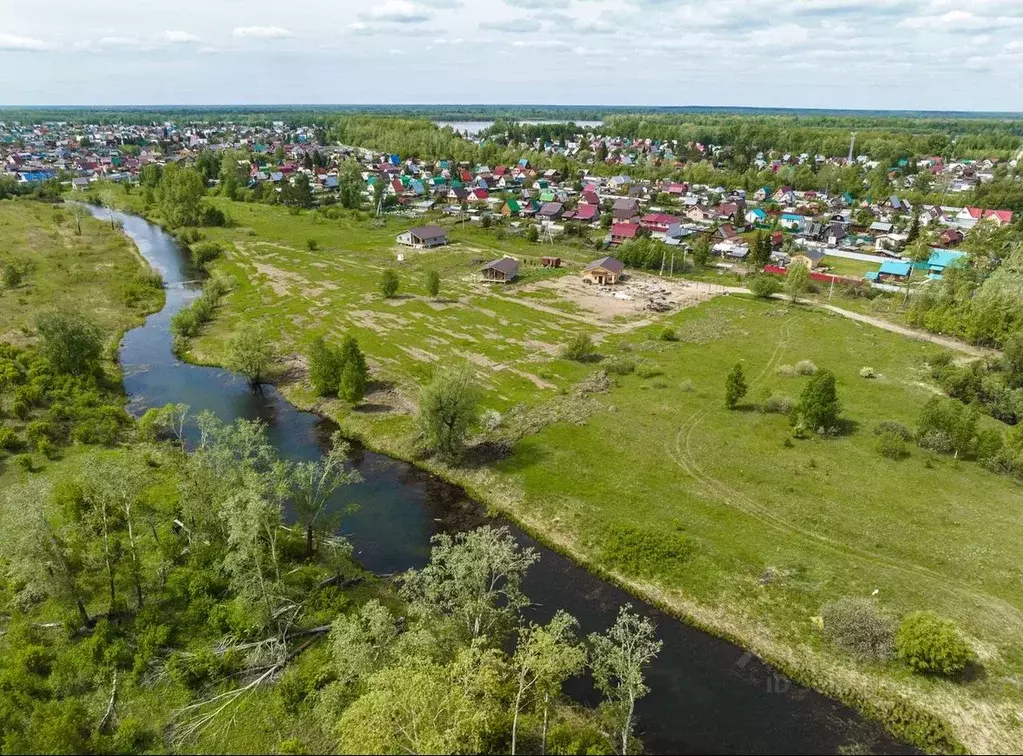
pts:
[646, 477]
[97, 272]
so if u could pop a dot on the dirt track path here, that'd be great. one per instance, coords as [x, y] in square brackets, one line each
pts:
[682, 453]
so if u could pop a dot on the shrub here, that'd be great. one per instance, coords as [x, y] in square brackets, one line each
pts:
[388, 283]
[868, 372]
[311, 244]
[786, 371]
[205, 253]
[491, 420]
[765, 286]
[735, 387]
[779, 405]
[579, 349]
[9, 440]
[818, 404]
[930, 644]
[669, 334]
[890, 426]
[70, 342]
[856, 625]
[686, 386]
[432, 283]
[939, 359]
[648, 370]
[621, 365]
[805, 367]
[892, 445]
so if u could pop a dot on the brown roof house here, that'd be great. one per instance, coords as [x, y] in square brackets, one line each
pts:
[605, 272]
[424, 237]
[625, 209]
[504, 270]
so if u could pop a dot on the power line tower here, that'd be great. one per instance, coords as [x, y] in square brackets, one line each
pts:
[547, 234]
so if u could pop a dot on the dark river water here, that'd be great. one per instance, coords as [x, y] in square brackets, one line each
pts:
[706, 695]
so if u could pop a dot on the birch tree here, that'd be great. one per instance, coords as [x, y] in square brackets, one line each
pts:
[617, 661]
[545, 657]
[474, 577]
[313, 483]
[42, 558]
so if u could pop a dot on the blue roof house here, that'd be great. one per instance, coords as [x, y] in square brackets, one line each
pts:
[894, 269]
[941, 259]
[791, 222]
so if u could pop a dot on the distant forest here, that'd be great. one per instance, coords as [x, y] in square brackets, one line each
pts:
[294, 114]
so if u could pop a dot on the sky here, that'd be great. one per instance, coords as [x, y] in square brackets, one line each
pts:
[861, 54]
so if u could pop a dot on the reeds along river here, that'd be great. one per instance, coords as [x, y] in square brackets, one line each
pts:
[706, 695]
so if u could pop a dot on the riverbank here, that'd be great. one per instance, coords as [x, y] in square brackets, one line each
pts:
[720, 587]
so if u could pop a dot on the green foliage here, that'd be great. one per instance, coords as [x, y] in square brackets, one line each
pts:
[735, 386]
[188, 322]
[819, 407]
[765, 285]
[388, 283]
[617, 661]
[858, 626]
[352, 386]
[532, 234]
[325, 366]
[350, 185]
[930, 644]
[947, 426]
[204, 253]
[432, 283]
[9, 440]
[13, 274]
[181, 191]
[701, 251]
[70, 342]
[579, 349]
[645, 552]
[797, 281]
[251, 353]
[668, 334]
[448, 410]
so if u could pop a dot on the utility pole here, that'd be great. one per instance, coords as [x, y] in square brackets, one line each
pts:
[852, 146]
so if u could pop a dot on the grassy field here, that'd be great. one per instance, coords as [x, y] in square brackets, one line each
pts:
[90, 273]
[715, 514]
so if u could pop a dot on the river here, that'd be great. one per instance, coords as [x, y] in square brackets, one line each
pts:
[706, 695]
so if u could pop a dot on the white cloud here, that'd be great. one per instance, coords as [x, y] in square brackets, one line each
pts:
[513, 25]
[180, 38]
[540, 44]
[399, 12]
[261, 32]
[12, 42]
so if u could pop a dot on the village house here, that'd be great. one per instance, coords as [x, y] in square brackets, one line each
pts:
[586, 213]
[807, 257]
[661, 225]
[623, 232]
[424, 237]
[606, 271]
[551, 211]
[504, 270]
[625, 209]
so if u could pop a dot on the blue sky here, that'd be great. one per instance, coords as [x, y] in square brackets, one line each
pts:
[891, 54]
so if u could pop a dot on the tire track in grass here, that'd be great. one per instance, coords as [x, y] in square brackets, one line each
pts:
[684, 457]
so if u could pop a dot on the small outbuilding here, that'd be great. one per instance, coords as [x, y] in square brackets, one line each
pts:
[606, 271]
[504, 270]
[424, 237]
